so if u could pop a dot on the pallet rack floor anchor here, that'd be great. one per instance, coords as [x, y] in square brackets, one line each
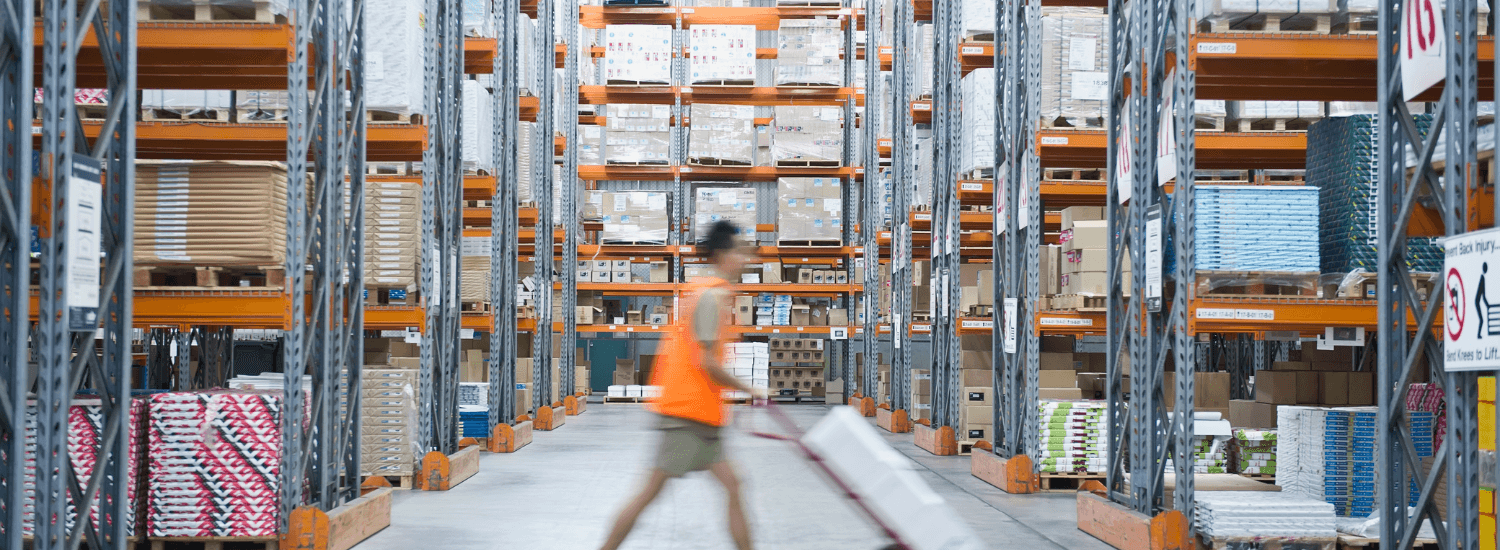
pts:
[441, 472]
[867, 407]
[1015, 475]
[550, 418]
[509, 439]
[1127, 529]
[939, 441]
[896, 422]
[309, 528]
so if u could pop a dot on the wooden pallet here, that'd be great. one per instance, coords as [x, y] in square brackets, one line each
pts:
[1079, 302]
[214, 543]
[725, 83]
[1267, 543]
[399, 482]
[209, 277]
[206, 11]
[1257, 283]
[259, 116]
[1222, 176]
[970, 39]
[201, 115]
[1274, 125]
[966, 447]
[614, 399]
[709, 161]
[1060, 123]
[1058, 482]
[88, 111]
[1351, 541]
[1269, 23]
[1073, 174]
[1364, 287]
[1263, 478]
[377, 116]
[629, 163]
[475, 308]
[1280, 176]
[984, 173]
[1210, 123]
[809, 164]
[388, 169]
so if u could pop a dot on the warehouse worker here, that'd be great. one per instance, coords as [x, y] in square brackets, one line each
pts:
[692, 379]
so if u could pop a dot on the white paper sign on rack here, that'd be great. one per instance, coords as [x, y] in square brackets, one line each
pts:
[1422, 62]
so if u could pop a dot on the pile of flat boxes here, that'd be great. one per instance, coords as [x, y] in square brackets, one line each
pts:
[388, 407]
[750, 362]
[800, 363]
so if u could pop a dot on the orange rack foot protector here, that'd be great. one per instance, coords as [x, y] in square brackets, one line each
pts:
[574, 406]
[1128, 529]
[550, 418]
[1013, 475]
[509, 439]
[468, 442]
[867, 407]
[900, 421]
[441, 472]
[309, 528]
[938, 441]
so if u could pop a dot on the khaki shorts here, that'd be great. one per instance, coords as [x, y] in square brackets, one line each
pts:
[687, 446]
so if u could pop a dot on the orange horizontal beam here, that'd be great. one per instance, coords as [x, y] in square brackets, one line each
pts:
[228, 308]
[739, 95]
[478, 188]
[764, 19]
[1068, 322]
[225, 141]
[971, 55]
[193, 56]
[598, 172]
[1295, 66]
[1309, 316]
[1215, 150]
[394, 317]
[479, 55]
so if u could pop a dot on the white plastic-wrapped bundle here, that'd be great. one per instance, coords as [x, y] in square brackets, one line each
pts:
[808, 52]
[260, 105]
[394, 58]
[979, 19]
[979, 120]
[638, 134]
[477, 21]
[807, 134]
[526, 58]
[809, 209]
[628, 216]
[733, 204]
[722, 53]
[638, 53]
[590, 145]
[1281, 110]
[525, 133]
[925, 64]
[1363, 13]
[190, 103]
[722, 134]
[1209, 10]
[1075, 78]
[478, 124]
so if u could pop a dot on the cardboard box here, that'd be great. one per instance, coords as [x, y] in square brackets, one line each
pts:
[1058, 361]
[838, 317]
[1057, 379]
[801, 315]
[1291, 365]
[1211, 390]
[978, 414]
[977, 395]
[976, 432]
[1246, 413]
[1086, 234]
[1073, 214]
[984, 377]
[660, 272]
[804, 276]
[1089, 282]
[587, 315]
[1086, 260]
[1057, 344]
[633, 318]
[744, 310]
[1276, 387]
[624, 378]
[620, 276]
[1059, 393]
[1308, 390]
[1333, 388]
[1361, 389]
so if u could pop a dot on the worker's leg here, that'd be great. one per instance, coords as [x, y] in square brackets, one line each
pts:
[632, 511]
[739, 527]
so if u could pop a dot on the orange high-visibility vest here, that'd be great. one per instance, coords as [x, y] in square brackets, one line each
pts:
[686, 389]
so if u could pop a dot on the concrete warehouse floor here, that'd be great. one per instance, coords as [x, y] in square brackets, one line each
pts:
[563, 490]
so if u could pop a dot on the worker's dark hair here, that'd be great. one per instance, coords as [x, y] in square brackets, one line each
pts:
[720, 238]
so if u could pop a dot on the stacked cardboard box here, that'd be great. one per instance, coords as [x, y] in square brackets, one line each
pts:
[392, 233]
[804, 135]
[722, 53]
[1329, 454]
[1298, 383]
[809, 209]
[921, 395]
[590, 146]
[1341, 163]
[201, 442]
[1255, 452]
[1084, 253]
[638, 134]
[978, 117]
[808, 52]
[976, 289]
[210, 213]
[85, 430]
[751, 363]
[640, 54]
[1248, 112]
[976, 413]
[733, 204]
[1075, 78]
[797, 350]
[1073, 437]
[1049, 278]
[629, 216]
[722, 134]
[1058, 376]
[474, 279]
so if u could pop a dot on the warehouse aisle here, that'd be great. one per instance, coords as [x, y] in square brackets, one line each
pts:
[562, 491]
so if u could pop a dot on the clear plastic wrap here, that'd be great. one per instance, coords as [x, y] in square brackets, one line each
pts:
[395, 56]
[1362, 14]
[807, 134]
[225, 11]
[628, 216]
[1257, 110]
[979, 19]
[526, 60]
[210, 213]
[477, 20]
[478, 125]
[722, 53]
[191, 103]
[260, 105]
[722, 134]
[925, 62]
[809, 209]
[978, 120]
[639, 54]
[1257, 228]
[807, 52]
[1075, 78]
[393, 233]
[526, 132]
[590, 145]
[1211, 10]
[734, 204]
[638, 134]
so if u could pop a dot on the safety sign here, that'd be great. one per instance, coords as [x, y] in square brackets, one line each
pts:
[1471, 308]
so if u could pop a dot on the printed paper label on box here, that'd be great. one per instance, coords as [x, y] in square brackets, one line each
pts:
[1081, 53]
[1091, 85]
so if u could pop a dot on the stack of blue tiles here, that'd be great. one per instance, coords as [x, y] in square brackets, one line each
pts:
[1336, 464]
[1341, 163]
[1256, 228]
[1363, 436]
[1421, 424]
[476, 423]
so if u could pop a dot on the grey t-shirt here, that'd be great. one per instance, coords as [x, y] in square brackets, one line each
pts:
[707, 315]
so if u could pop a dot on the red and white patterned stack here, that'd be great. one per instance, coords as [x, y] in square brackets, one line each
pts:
[1426, 397]
[85, 428]
[215, 464]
